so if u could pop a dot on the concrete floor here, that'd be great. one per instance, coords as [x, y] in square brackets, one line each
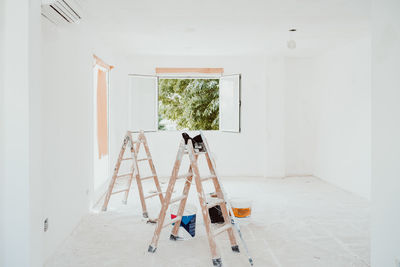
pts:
[295, 222]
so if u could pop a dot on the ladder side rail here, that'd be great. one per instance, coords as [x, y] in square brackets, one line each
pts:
[115, 174]
[143, 138]
[167, 198]
[228, 205]
[203, 203]
[132, 169]
[138, 181]
[223, 205]
[182, 205]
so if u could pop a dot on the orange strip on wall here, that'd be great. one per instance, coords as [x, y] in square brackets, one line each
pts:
[190, 70]
[101, 63]
[102, 123]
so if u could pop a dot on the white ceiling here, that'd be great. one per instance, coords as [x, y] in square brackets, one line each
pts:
[211, 27]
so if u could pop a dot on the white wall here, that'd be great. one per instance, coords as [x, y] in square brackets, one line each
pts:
[67, 87]
[67, 97]
[2, 156]
[294, 130]
[237, 154]
[300, 116]
[274, 122]
[385, 244]
[21, 231]
[36, 163]
[343, 85]
[118, 102]
[327, 114]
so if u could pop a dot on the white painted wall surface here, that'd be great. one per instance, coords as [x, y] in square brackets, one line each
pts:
[385, 244]
[15, 231]
[20, 232]
[274, 108]
[237, 154]
[36, 150]
[67, 127]
[343, 135]
[68, 130]
[2, 132]
[327, 116]
[300, 116]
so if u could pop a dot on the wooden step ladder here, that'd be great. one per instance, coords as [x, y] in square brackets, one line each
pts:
[134, 146]
[220, 200]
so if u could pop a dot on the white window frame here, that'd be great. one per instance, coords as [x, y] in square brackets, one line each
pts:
[190, 76]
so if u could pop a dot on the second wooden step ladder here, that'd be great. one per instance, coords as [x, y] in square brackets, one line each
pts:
[199, 180]
[134, 147]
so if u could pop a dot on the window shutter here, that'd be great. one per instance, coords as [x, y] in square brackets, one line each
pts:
[229, 103]
[143, 102]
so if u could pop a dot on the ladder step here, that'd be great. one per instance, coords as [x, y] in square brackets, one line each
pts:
[119, 191]
[127, 159]
[143, 159]
[124, 175]
[184, 175]
[214, 202]
[205, 178]
[152, 195]
[177, 199]
[174, 220]
[147, 177]
[196, 153]
[222, 229]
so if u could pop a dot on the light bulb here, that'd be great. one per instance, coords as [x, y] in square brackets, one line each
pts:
[291, 44]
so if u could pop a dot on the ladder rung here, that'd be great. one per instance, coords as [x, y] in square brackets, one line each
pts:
[184, 175]
[177, 199]
[127, 159]
[147, 177]
[196, 153]
[205, 178]
[214, 202]
[152, 195]
[124, 175]
[222, 229]
[143, 159]
[174, 220]
[119, 191]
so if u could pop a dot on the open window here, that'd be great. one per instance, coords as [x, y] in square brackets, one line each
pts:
[183, 102]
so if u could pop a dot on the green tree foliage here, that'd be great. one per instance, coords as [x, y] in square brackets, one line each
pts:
[192, 104]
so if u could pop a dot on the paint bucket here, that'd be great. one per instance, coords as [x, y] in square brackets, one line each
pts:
[188, 221]
[241, 207]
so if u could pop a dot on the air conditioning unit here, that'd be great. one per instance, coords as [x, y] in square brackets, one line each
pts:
[62, 11]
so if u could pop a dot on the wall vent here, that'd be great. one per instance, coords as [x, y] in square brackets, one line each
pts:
[61, 11]
[46, 225]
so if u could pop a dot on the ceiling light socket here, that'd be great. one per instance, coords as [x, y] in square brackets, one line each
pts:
[291, 44]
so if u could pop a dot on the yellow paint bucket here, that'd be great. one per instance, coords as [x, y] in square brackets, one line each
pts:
[241, 207]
